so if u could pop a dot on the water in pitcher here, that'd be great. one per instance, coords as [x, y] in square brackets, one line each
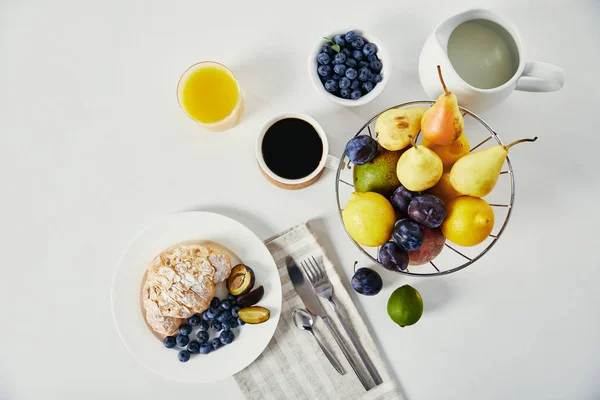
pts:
[483, 53]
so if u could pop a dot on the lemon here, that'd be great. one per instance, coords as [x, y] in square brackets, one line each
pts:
[451, 152]
[443, 189]
[369, 218]
[405, 306]
[469, 220]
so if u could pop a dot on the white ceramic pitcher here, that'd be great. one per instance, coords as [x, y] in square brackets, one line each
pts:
[530, 76]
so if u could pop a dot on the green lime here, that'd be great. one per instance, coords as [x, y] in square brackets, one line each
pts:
[405, 306]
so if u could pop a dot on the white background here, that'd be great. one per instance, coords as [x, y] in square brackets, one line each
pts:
[95, 148]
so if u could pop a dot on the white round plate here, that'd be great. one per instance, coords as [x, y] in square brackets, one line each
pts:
[194, 227]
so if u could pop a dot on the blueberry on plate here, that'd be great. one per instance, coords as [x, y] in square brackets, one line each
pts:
[235, 310]
[339, 69]
[347, 52]
[205, 348]
[324, 70]
[356, 94]
[367, 86]
[193, 346]
[212, 312]
[327, 49]
[355, 84]
[345, 93]
[182, 340]
[203, 326]
[369, 49]
[339, 58]
[323, 59]
[363, 64]
[339, 40]
[226, 305]
[240, 322]
[185, 329]
[184, 356]
[215, 343]
[231, 298]
[202, 336]
[357, 55]
[376, 65]
[205, 316]
[336, 77]
[331, 86]
[351, 62]
[349, 36]
[372, 57]
[233, 322]
[345, 83]
[225, 325]
[363, 74]
[194, 320]
[358, 42]
[215, 302]
[351, 73]
[377, 78]
[170, 342]
[226, 337]
[216, 325]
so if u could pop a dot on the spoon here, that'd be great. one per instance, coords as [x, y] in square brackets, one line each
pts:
[304, 320]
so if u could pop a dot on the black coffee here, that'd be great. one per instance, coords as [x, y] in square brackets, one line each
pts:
[292, 148]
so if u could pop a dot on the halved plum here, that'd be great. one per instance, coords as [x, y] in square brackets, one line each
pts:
[250, 299]
[241, 280]
[254, 315]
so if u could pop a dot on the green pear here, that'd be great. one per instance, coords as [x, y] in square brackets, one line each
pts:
[419, 168]
[476, 173]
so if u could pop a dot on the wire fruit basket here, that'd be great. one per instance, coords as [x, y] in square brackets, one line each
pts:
[453, 257]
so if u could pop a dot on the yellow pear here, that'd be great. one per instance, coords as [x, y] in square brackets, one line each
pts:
[419, 168]
[451, 152]
[394, 126]
[476, 174]
[443, 123]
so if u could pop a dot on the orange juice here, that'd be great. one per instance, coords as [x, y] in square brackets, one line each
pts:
[210, 95]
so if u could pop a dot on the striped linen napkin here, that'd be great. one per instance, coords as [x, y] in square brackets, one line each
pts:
[293, 366]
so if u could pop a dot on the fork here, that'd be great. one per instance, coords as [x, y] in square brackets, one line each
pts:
[322, 285]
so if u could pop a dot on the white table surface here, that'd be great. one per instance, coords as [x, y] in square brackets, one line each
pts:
[95, 148]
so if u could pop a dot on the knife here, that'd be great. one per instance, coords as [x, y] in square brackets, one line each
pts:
[312, 303]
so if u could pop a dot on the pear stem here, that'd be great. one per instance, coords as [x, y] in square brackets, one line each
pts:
[412, 141]
[520, 141]
[442, 80]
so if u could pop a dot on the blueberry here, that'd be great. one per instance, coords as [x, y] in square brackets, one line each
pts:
[349, 36]
[212, 312]
[345, 83]
[339, 69]
[202, 336]
[377, 78]
[205, 348]
[170, 342]
[324, 79]
[215, 343]
[323, 59]
[358, 42]
[361, 149]
[372, 57]
[367, 86]
[350, 62]
[226, 337]
[235, 310]
[347, 52]
[240, 322]
[351, 73]
[216, 326]
[375, 65]
[331, 86]
[226, 305]
[338, 39]
[356, 94]
[215, 302]
[357, 55]
[194, 320]
[369, 49]
[327, 50]
[336, 77]
[182, 340]
[231, 298]
[363, 64]
[185, 329]
[324, 70]
[203, 326]
[355, 84]
[339, 58]
[193, 346]
[366, 281]
[205, 316]
[233, 322]
[225, 325]
[363, 74]
[184, 356]
[345, 93]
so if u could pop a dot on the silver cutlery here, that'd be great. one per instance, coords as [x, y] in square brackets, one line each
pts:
[304, 320]
[322, 285]
[313, 305]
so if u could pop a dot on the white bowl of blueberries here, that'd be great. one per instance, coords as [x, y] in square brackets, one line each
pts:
[349, 68]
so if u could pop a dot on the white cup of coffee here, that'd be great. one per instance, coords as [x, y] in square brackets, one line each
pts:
[292, 151]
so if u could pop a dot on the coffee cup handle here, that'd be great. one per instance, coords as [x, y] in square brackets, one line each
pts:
[332, 162]
[541, 77]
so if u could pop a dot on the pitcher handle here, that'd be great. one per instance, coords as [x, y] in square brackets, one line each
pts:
[541, 77]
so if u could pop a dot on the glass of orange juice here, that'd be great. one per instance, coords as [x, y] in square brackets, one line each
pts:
[210, 95]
